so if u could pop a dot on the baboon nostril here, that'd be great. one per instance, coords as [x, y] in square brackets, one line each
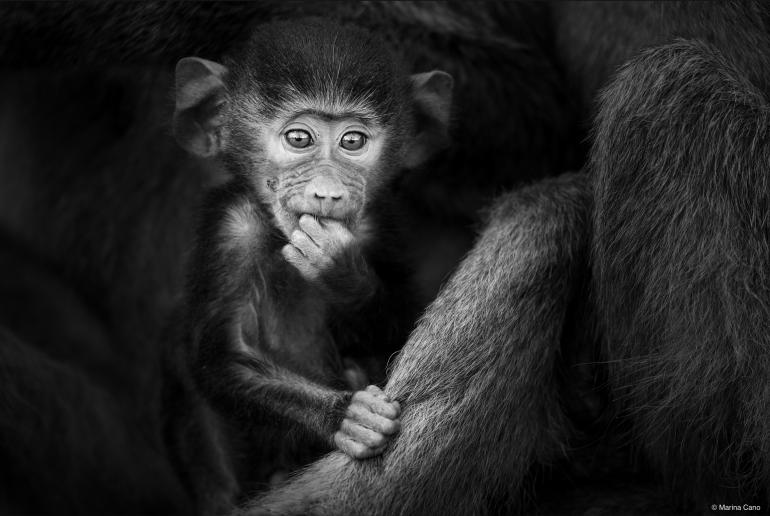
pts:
[322, 196]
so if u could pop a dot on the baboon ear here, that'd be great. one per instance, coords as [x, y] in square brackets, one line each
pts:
[200, 103]
[432, 98]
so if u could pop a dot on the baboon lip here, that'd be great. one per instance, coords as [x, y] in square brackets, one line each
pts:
[346, 221]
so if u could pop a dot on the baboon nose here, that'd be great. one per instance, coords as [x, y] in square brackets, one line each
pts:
[325, 189]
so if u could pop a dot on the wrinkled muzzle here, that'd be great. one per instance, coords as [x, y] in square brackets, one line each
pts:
[326, 195]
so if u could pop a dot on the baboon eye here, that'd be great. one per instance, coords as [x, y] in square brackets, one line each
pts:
[298, 138]
[353, 140]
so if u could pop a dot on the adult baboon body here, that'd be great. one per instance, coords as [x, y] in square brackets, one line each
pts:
[652, 267]
[86, 288]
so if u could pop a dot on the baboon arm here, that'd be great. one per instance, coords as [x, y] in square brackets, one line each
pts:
[224, 348]
[257, 391]
[476, 379]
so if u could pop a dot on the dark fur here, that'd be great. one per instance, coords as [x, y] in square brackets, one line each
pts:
[88, 167]
[342, 58]
[681, 284]
[675, 210]
[74, 418]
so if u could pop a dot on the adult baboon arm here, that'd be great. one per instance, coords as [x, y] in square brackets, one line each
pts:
[477, 377]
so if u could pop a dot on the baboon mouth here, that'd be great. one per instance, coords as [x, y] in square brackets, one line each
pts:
[321, 219]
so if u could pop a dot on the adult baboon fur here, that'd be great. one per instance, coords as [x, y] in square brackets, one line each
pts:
[651, 267]
[92, 268]
[97, 202]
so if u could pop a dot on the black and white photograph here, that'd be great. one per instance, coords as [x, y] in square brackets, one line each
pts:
[352, 258]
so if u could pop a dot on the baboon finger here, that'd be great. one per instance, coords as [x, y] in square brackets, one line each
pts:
[377, 405]
[312, 228]
[362, 434]
[338, 236]
[377, 392]
[352, 447]
[293, 256]
[299, 261]
[306, 245]
[363, 416]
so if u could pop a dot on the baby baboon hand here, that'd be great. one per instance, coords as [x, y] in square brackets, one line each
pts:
[326, 253]
[370, 422]
[316, 246]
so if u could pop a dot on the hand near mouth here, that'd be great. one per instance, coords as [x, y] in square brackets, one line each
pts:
[325, 253]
